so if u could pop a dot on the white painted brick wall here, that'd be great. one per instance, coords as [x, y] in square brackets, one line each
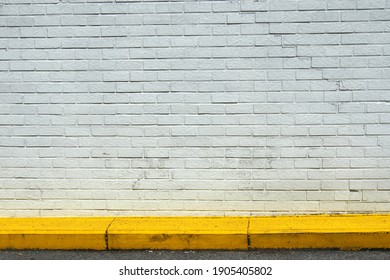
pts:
[151, 107]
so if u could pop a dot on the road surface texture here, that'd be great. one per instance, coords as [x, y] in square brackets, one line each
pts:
[195, 255]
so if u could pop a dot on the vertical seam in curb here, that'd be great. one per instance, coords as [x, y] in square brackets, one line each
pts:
[106, 234]
[248, 236]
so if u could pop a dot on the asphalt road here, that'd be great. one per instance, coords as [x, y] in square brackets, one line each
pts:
[195, 255]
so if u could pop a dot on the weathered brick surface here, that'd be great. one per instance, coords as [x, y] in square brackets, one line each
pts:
[194, 107]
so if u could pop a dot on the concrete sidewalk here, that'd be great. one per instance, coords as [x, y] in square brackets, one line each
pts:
[190, 233]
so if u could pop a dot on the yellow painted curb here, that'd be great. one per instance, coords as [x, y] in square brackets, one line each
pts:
[54, 233]
[178, 233]
[320, 231]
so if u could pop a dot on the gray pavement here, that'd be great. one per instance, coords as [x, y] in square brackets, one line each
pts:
[195, 255]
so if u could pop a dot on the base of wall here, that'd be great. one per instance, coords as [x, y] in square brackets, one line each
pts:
[179, 233]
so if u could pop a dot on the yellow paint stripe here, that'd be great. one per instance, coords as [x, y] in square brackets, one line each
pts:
[321, 223]
[54, 233]
[178, 233]
[320, 231]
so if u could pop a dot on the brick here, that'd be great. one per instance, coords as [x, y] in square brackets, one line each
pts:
[377, 129]
[375, 15]
[170, 8]
[86, 9]
[280, 75]
[284, 5]
[156, 19]
[10, 9]
[240, 19]
[59, 9]
[21, 43]
[115, 54]
[375, 4]
[47, 20]
[215, 18]
[321, 195]
[32, 32]
[225, 7]
[239, 109]
[61, 32]
[19, 21]
[100, 20]
[226, 30]
[195, 30]
[197, 7]
[255, 29]
[293, 153]
[72, 20]
[114, 9]
[308, 5]
[142, 8]
[249, 6]
[325, 62]
[300, 63]
[313, 39]
[239, 131]
[184, 19]
[295, 131]
[355, 16]
[341, 4]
